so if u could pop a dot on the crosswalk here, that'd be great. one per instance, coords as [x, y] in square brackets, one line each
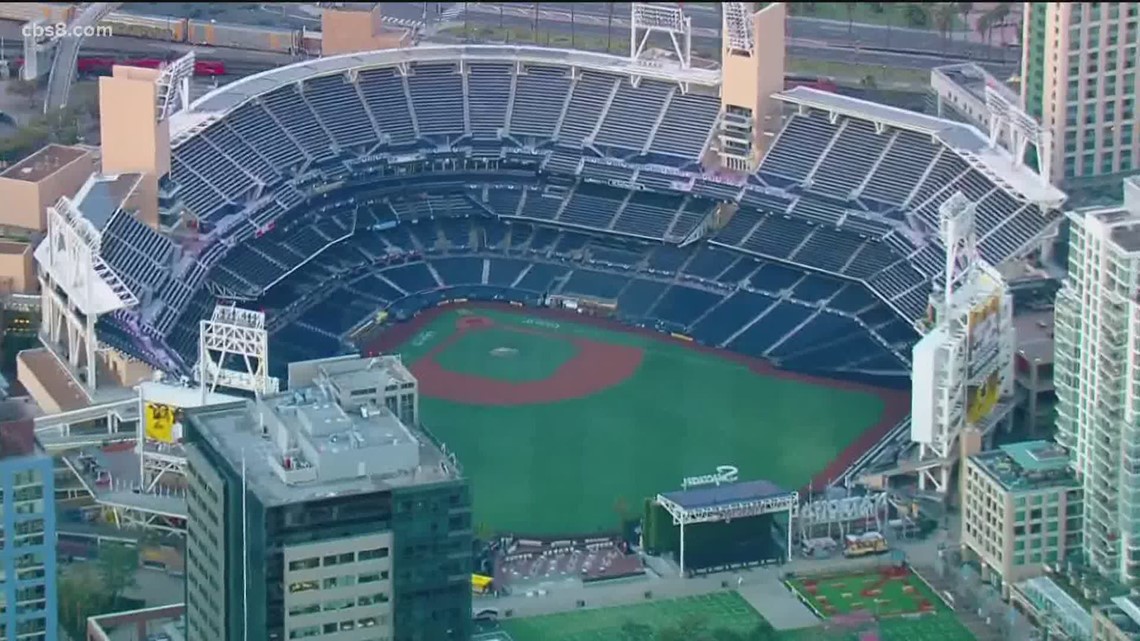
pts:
[453, 12]
[403, 22]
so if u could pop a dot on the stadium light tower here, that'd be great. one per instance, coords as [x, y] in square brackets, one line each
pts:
[963, 367]
[174, 87]
[645, 19]
[234, 335]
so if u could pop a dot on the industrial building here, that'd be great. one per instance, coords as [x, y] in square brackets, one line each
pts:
[318, 511]
[1096, 327]
[1021, 510]
[28, 555]
[1078, 70]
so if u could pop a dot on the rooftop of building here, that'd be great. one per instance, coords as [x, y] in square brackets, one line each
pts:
[17, 438]
[1060, 601]
[1035, 336]
[43, 163]
[1123, 220]
[102, 196]
[1027, 466]
[303, 445]
[13, 248]
[974, 79]
[1124, 612]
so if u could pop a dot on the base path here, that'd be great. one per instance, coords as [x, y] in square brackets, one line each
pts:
[595, 367]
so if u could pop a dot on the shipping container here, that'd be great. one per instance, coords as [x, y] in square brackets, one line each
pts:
[200, 32]
[50, 13]
[150, 27]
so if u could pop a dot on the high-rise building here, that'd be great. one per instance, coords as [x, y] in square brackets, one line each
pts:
[319, 513]
[28, 573]
[1097, 352]
[1079, 67]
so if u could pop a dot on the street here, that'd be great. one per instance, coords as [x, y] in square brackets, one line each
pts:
[808, 38]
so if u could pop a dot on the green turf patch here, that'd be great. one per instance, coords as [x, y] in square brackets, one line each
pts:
[896, 605]
[506, 355]
[720, 609]
[573, 466]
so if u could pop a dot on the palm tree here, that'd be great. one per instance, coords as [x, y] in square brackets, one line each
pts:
[964, 10]
[993, 19]
[942, 15]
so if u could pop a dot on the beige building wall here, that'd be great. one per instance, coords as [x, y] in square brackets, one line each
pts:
[750, 79]
[994, 519]
[17, 268]
[1080, 63]
[134, 140]
[30, 186]
[352, 29]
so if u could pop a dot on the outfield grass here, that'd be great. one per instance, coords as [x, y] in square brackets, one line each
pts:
[719, 609]
[565, 467]
[532, 357]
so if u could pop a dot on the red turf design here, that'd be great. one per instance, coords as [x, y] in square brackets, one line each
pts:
[896, 403]
[595, 367]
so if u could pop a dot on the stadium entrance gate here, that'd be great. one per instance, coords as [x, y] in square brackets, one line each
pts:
[730, 523]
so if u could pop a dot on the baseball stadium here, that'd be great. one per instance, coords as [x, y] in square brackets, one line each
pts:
[608, 274]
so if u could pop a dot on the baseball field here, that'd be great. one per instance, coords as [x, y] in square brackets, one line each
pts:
[563, 421]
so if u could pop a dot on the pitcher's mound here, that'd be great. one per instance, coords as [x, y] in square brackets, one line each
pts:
[502, 352]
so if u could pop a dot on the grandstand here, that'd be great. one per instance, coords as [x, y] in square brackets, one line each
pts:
[331, 189]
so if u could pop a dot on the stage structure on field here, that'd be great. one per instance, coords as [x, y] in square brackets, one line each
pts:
[963, 366]
[720, 498]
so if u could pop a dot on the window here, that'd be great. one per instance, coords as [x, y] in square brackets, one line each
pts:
[369, 555]
[304, 564]
[299, 610]
[339, 559]
[303, 586]
[371, 577]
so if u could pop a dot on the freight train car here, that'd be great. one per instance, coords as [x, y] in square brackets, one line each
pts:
[49, 12]
[150, 27]
[201, 32]
[102, 65]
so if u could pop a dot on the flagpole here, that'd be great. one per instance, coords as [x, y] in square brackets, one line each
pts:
[244, 549]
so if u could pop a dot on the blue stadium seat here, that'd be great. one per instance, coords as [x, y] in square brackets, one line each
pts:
[730, 316]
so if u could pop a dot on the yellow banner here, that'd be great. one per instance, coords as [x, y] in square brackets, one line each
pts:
[982, 400]
[159, 422]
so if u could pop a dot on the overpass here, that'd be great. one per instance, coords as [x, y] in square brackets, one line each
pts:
[62, 74]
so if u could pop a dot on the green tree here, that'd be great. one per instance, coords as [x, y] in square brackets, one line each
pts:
[25, 89]
[917, 15]
[726, 634]
[634, 631]
[80, 596]
[964, 10]
[763, 631]
[117, 566]
[943, 14]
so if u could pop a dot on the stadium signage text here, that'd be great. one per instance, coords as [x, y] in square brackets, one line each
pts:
[724, 474]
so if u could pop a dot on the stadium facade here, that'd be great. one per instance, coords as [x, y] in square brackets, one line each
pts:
[392, 180]
[800, 227]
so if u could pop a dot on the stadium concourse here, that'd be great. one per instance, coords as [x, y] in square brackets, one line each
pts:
[330, 190]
